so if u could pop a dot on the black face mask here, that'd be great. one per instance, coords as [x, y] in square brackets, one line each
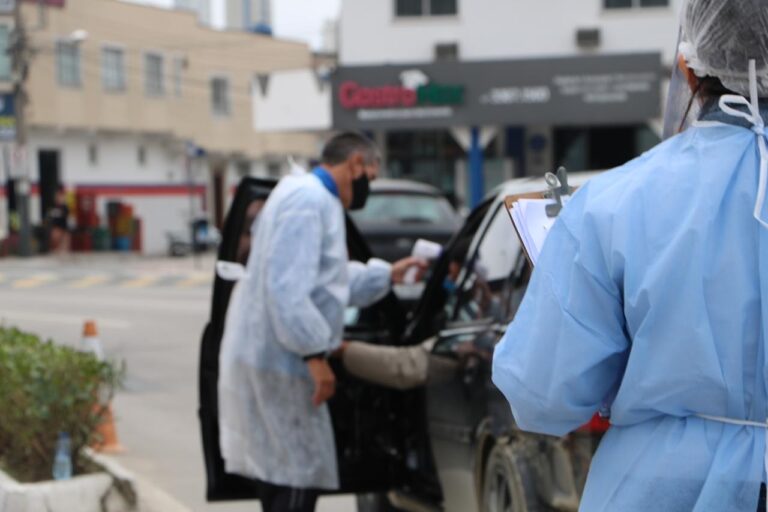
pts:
[361, 187]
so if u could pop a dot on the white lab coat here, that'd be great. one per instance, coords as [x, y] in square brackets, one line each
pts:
[289, 304]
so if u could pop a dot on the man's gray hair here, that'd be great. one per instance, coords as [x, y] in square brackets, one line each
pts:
[342, 146]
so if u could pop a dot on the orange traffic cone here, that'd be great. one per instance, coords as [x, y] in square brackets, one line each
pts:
[91, 342]
[108, 442]
[107, 433]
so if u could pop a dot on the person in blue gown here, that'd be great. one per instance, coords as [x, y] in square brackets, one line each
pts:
[651, 297]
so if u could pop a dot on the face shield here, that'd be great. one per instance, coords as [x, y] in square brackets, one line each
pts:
[718, 38]
[681, 108]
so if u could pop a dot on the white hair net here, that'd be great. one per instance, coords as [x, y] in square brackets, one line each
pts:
[720, 37]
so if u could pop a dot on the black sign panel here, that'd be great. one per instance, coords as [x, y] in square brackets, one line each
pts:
[599, 90]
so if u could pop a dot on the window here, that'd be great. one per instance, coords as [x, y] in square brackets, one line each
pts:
[113, 69]
[243, 169]
[179, 64]
[273, 170]
[406, 209]
[68, 63]
[625, 4]
[410, 7]
[5, 57]
[220, 96]
[93, 154]
[487, 274]
[406, 8]
[141, 155]
[600, 147]
[446, 52]
[442, 7]
[153, 74]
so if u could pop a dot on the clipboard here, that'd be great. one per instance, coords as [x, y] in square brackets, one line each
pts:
[533, 214]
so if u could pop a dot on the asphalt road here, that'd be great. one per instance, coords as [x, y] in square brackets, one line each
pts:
[150, 314]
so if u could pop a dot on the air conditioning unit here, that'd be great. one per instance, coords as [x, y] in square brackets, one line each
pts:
[588, 37]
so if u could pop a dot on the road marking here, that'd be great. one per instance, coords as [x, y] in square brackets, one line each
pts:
[11, 316]
[141, 282]
[195, 280]
[34, 281]
[89, 281]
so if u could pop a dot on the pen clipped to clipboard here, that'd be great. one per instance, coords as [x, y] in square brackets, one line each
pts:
[533, 214]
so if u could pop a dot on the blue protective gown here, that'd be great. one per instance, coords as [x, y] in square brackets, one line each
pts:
[651, 294]
[289, 304]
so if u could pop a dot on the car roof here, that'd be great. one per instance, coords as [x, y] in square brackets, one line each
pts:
[407, 186]
[537, 184]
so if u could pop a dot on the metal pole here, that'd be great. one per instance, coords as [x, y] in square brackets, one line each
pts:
[20, 68]
[476, 176]
[191, 189]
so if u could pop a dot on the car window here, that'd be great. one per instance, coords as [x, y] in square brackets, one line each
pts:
[489, 274]
[252, 213]
[394, 208]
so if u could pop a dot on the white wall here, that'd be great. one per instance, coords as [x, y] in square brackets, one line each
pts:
[502, 29]
[295, 101]
[163, 207]
[117, 161]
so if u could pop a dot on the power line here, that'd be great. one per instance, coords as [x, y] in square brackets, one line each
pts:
[93, 65]
[274, 64]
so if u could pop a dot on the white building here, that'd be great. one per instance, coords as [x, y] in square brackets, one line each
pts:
[201, 7]
[410, 31]
[536, 84]
[251, 15]
[451, 34]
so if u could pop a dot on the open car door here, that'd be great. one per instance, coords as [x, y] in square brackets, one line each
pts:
[379, 432]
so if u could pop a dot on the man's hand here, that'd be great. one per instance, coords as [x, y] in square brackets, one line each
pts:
[400, 268]
[325, 380]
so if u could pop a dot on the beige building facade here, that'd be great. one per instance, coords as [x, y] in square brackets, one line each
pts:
[120, 92]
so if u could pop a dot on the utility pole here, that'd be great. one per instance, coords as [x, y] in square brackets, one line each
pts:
[21, 54]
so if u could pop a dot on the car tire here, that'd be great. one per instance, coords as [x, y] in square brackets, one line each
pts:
[375, 503]
[508, 482]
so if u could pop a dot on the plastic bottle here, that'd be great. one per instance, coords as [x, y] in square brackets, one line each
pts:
[62, 461]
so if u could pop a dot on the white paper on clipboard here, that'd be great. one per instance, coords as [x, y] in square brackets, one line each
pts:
[532, 223]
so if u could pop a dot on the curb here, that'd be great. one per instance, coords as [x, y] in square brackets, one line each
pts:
[150, 497]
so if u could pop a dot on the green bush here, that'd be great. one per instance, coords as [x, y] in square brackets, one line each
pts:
[46, 389]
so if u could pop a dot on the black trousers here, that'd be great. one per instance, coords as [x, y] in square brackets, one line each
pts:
[761, 503]
[276, 498]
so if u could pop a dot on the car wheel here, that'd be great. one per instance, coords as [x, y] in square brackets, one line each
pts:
[508, 483]
[374, 503]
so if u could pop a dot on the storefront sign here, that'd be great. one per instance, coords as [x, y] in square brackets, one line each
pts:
[7, 117]
[611, 89]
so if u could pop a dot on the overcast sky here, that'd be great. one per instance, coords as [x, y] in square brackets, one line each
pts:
[293, 19]
[303, 19]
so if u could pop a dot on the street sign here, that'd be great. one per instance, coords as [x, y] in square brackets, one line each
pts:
[7, 117]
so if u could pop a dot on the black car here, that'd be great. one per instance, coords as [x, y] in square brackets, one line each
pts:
[452, 445]
[399, 212]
